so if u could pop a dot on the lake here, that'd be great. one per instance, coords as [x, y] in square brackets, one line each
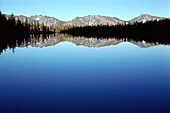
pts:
[85, 75]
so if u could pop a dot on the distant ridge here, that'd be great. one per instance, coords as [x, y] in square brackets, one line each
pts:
[144, 18]
[86, 20]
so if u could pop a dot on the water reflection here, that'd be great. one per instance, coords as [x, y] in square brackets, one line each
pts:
[67, 78]
[50, 40]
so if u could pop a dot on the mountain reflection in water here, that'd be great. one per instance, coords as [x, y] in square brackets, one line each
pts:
[50, 40]
[66, 78]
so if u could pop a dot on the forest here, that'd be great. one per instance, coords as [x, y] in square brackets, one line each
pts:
[151, 31]
[13, 32]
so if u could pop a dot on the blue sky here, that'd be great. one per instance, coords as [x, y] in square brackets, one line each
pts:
[69, 9]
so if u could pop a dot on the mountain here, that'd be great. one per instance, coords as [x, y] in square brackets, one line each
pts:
[94, 20]
[86, 20]
[43, 20]
[144, 18]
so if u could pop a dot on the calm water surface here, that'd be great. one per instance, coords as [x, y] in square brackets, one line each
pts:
[66, 78]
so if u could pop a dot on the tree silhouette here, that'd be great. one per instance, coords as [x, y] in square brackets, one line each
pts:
[13, 32]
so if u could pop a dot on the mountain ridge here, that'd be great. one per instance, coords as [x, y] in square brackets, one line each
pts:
[85, 20]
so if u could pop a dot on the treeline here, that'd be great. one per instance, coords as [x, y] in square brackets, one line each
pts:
[13, 32]
[41, 29]
[16, 28]
[151, 31]
[11, 27]
[59, 28]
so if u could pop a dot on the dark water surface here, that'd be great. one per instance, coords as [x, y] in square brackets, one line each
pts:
[66, 78]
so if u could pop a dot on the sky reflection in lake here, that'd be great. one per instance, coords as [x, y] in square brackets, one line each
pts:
[68, 78]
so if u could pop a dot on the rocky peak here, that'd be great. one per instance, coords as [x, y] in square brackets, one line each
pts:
[144, 18]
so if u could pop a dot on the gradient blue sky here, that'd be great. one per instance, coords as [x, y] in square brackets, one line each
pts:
[69, 9]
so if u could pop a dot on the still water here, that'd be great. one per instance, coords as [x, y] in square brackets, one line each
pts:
[85, 77]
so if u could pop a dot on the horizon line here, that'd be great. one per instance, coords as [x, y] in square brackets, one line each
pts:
[83, 16]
